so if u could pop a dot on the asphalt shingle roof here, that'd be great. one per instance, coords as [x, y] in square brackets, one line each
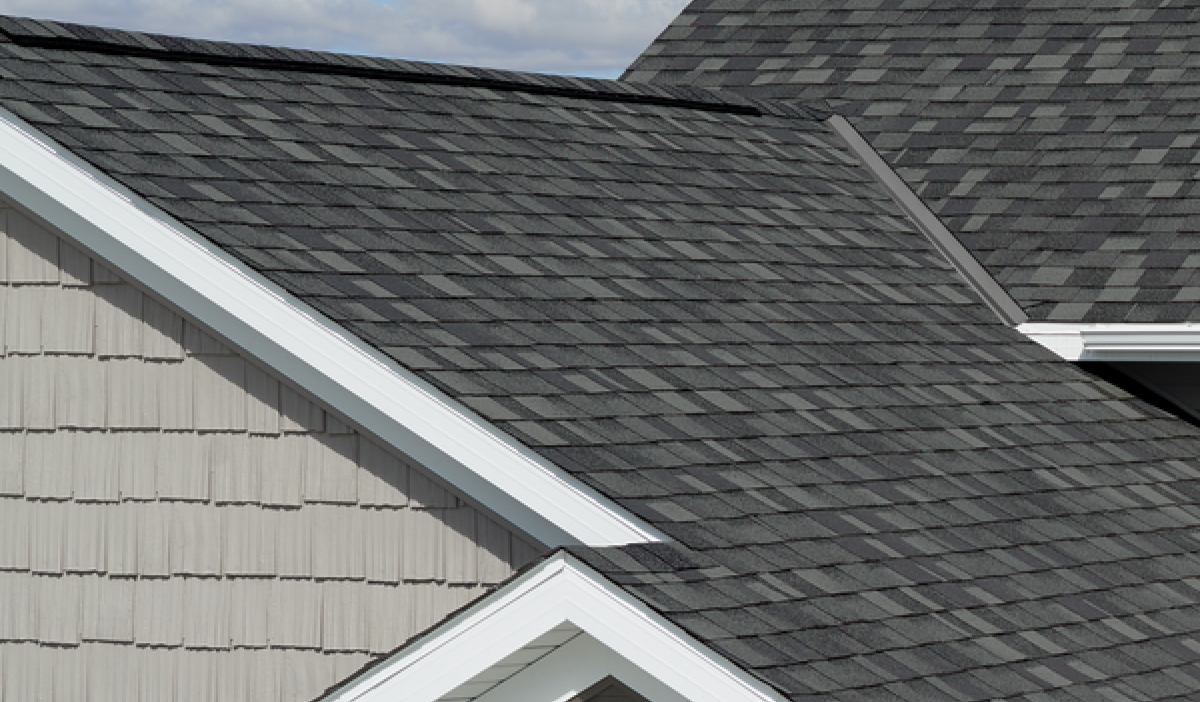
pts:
[706, 309]
[1058, 140]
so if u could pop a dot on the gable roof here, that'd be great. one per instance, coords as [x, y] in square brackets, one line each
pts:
[708, 312]
[266, 321]
[1057, 140]
[556, 631]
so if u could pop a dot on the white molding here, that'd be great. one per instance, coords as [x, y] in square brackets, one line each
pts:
[1117, 342]
[624, 637]
[339, 369]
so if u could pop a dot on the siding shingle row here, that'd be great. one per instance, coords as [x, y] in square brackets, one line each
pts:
[178, 520]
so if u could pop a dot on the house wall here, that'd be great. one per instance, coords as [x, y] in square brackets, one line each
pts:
[176, 523]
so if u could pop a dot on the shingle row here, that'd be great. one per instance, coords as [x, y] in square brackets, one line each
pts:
[1058, 142]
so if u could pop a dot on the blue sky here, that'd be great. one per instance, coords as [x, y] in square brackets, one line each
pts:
[579, 37]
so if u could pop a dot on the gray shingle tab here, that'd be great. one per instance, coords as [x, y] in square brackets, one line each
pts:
[1054, 139]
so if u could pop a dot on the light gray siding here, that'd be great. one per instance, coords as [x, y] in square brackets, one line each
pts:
[176, 523]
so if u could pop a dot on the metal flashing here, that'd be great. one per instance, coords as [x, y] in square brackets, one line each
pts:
[979, 279]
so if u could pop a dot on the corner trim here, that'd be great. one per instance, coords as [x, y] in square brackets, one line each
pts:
[1117, 342]
[264, 321]
[623, 638]
[976, 276]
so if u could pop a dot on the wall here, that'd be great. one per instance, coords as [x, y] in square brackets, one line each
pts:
[178, 524]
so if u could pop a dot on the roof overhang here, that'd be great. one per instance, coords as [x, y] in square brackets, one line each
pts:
[548, 636]
[337, 368]
[1118, 342]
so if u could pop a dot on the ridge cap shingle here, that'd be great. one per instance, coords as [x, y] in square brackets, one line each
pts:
[44, 34]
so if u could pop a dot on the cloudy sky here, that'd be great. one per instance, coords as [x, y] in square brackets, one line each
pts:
[579, 37]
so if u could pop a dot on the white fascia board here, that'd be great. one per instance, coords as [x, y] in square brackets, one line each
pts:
[1117, 342]
[628, 641]
[334, 366]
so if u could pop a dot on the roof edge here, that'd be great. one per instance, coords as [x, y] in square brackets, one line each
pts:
[994, 296]
[621, 638]
[321, 357]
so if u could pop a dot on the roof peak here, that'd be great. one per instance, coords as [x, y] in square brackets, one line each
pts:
[45, 34]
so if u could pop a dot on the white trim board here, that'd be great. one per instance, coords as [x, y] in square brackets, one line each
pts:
[336, 367]
[621, 637]
[1117, 342]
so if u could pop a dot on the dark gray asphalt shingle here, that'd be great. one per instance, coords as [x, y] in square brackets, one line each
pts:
[1058, 140]
[875, 490]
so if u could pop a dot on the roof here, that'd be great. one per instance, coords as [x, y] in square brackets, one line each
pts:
[1057, 140]
[705, 309]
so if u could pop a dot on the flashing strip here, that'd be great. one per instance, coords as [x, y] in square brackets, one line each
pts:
[1117, 342]
[621, 638]
[979, 279]
[334, 366]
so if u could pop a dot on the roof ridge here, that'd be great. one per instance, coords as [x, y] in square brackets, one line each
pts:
[43, 34]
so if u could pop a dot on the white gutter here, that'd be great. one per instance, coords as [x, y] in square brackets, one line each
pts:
[1117, 342]
[337, 368]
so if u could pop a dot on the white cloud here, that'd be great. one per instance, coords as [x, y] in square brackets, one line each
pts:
[581, 37]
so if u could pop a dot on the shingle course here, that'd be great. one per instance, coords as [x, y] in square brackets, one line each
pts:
[1023, 126]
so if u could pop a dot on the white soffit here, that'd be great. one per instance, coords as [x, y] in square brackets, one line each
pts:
[336, 367]
[1117, 342]
[618, 636]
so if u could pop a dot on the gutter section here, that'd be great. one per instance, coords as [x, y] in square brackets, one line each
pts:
[1118, 342]
[1009, 312]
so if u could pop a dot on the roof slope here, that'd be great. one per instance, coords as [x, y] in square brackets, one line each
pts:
[1057, 140]
[715, 318]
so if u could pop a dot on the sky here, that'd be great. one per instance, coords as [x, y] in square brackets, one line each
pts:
[597, 38]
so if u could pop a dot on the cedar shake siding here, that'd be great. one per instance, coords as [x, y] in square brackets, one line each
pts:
[176, 523]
